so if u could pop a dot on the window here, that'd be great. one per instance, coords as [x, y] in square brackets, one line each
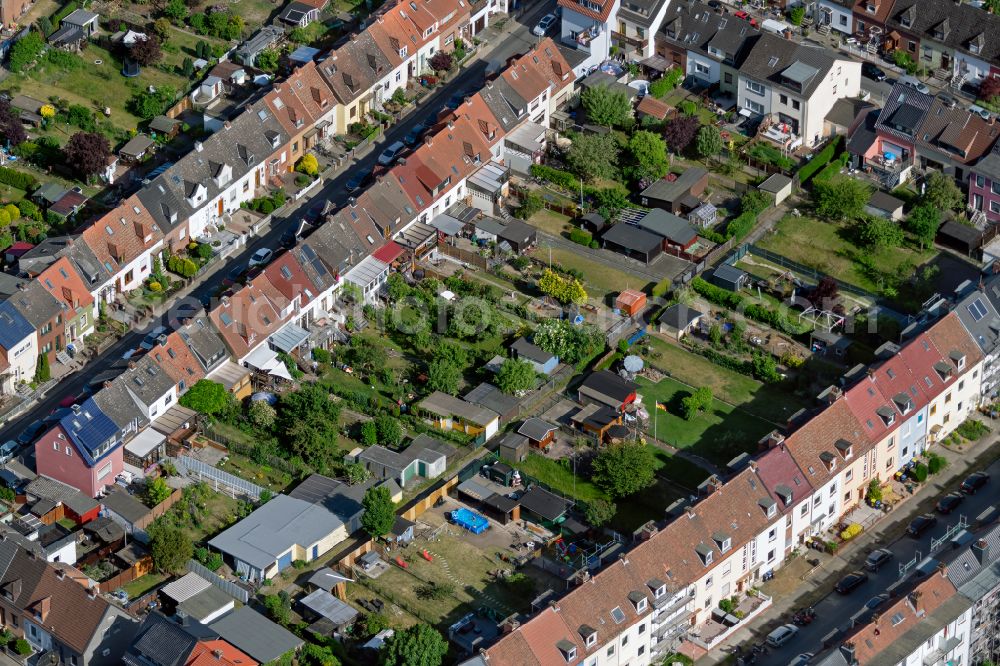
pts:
[980, 181]
[642, 628]
[755, 87]
[847, 497]
[848, 476]
[770, 555]
[888, 463]
[592, 639]
[784, 99]
[727, 568]
[55, 446]
[641, 650]
[611, 650]
[995, 187]
[995, 206]
[728, 77]
[961, 385]
[624, 640]
[753, 106]
[69, 452]
[796, 104]
[805, 511]
[892, 443]
[911, 47]
[773, 534]
[708, 583]
[947, 398]
[104, 471]
[833, 490]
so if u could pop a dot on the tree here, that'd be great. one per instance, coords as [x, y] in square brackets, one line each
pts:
[531, 203]
[941, 192]
[42, 371]
[176, 11]
[796, 14]
[610, 201]
[623, 469]
[606, 106]
[419, 645]
[356, 473]
[187, 67]
[650, 155]
[147, 104]
[825, 294]
[874, 490]
[308, 164]
[298, 36]
[45, 26]
[697, 402]
[572, 343]
[764, 367]
[170, 546]
[371, 624]
[515, 376]
[206, 397]
[600, 511]
[278, 607]
[262, 415]
[161, 28]
[369, 433]
[157, 491]
[380, 511]
[923, 222]
[563, 289]
[442, 61]
[390, 433]
[317, 655]
[755, 202]
[680, 132]
[309, 418]
[842, 198]
[989, 87]
[11, 128]
[367, 354]
[444, 376]
[146, 51]
[87, 153]
[268, 59]
[24, 52]
[877, 233]
[593, 156]
[708, 141]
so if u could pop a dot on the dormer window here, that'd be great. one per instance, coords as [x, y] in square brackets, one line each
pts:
[704, 552]
[769, 506]
[785, 493]
[959, 359]
[887, 414]
[723, 541]
[845, 448]
[588, 634]
[829, 460]
[568, 649]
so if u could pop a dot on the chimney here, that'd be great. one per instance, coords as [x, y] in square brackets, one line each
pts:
[60, 573]
[352, 202]
[942, 569]
[830, 395]
[429, 140]
[771, 440]
[847, 649]
[92, 592]
[451, 125]
[197, 146]
[753, 466]
[217, 653]
[981, 550]
[712, 485]
[689, 510]
[401, 161]
[227, 124]
[509, 625]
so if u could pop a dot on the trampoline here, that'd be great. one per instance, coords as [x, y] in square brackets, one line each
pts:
[469, 520]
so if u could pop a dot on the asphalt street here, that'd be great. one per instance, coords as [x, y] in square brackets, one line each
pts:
[836, 610]
[517, 41]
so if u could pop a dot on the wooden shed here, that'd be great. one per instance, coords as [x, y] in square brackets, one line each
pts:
[630, 302]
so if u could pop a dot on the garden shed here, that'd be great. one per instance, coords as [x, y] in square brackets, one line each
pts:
[778, 185]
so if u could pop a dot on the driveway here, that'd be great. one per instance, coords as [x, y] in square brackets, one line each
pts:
[514, 38]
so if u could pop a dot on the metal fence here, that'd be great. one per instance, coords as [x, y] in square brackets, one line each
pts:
[220, 481]
[812, 273]
[227, 586]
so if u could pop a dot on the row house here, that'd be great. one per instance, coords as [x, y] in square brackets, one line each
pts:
[951, 140]
[791, 494]
[305, 106]
[961, 357]
[45, 314]
[82, 449]
[18, 349]
[834, 15]
[704, 44]
[984, 185]
[637, 23]
[795, 87]
[635, 610]
[587, 26]
[889, 150]
[91, 271]
[360, 73]
[957, 40]
[976, 574]
[977, 310]
[124, 241]
[869, 14]
[230, 167]
[62, 620]
[62, 280]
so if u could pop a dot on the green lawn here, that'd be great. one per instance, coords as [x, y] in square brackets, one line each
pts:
[551, 222]
[143, 584]
[93, 85]
[719, 435]
[825, 247]
[599, 279]
[767, 401]
[181, 44]
[679, 470]
[560, 477]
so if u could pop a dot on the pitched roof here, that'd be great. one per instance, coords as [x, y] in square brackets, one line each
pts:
[697, 27]
[528, 350]
[63, 281]
[123, 234]
[956, 25]
[818, 438]
[36, 304]
[632, 238]
[177, 360]
[601, 14]
[254, 634]
[903, 112]
[218, 653]
[92, 432]
[248, 316]
[668, 225]
[608, 383]
[786, 63]
[447, 406]
[679, 316]
[962, 135]
[14, 328]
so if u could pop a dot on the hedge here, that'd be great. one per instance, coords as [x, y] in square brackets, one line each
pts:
[819, 160]
[22, 181]
[555, 176]
[66, 10]
[832, 169]
[580, 236]
[734, 301]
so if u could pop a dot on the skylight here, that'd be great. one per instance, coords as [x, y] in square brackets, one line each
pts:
[618, 615]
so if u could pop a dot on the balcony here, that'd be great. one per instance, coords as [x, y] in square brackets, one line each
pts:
[583, 39]
[636, 44]
[712, 632]
[889, 164]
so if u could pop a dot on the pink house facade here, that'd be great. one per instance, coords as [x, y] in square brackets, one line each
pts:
[984, 185]
[83, 450]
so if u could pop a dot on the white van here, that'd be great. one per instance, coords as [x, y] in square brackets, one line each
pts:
[915, 83]
[782, 635]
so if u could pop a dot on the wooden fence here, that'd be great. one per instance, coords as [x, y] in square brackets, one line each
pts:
[142, 566]
[471, 258]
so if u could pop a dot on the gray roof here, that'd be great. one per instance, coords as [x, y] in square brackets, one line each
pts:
[326, 578]
[338, 498]
[56, 491]
[672, 190]
[137, 145]
[161, 642]
[253, 633]
[79, 17]
[125, 505]
[147, 381]
[728, 272]
[679, 316]
[641, 12]
[903, 112]
[788, 64]
[632, 238]
[204, 342]
[882, 201]
[989, 165]
[274, 528]
[518, 232]
[490, 225]
[967, 572]
[695, 26]
[36, 304]
[957, 25]
[446, 405]
[530, 351]
[668, 225]
[120, 405]
[845, 110]
[243, 147]
[205, 604]
[163, 124]
[775, 183]
[507, 106]
[423, 447]
[489, 396]
[261, 40]
[536, 428]
[601, 79]
[330, 607]
[545, 504]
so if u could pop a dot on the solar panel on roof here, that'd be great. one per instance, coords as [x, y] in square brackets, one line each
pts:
[977, 309]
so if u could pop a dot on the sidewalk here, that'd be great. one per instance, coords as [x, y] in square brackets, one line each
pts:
[891, 527]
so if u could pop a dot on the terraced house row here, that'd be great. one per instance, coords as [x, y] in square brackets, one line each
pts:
[801, 483]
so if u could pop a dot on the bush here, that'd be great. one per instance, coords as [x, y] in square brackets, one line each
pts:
[920, 472]
[22, 647]
[972, 429]
[936, 463]
[181, 266]
[21, 181]
[580, 236]
[321, 355]
[555, 176]
[821, 159]
[852, 531]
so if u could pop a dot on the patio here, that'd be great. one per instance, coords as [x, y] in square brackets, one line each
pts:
[716, 629]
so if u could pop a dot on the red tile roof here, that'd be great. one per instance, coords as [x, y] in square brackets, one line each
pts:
[177, 360]
[122, 235]
[62, 281]
[218, 653]
[602, 15]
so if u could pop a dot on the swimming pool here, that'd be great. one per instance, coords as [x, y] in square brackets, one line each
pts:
[470, 520]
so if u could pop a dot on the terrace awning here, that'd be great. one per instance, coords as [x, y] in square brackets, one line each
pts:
[289, 337]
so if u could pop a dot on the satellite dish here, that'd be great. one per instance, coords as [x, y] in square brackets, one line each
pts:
[633, 363]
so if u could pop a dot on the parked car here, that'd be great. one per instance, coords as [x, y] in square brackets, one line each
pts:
[980, 111]
[876, 601]
[746, 17]
[782, 635]
[851, 581]
[389, 155]
[150, 340]
[359, 179]
[802, 659]
[877, 558]
[261, 257]
[974, 482]
[8, 450]
[542, 27]
[949, 503]
[921, 524]
[31, 433]
[416, 133]
[949, 101]
[872, 71]
[915, 83]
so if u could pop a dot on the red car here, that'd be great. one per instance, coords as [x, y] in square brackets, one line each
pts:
[746, 17]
